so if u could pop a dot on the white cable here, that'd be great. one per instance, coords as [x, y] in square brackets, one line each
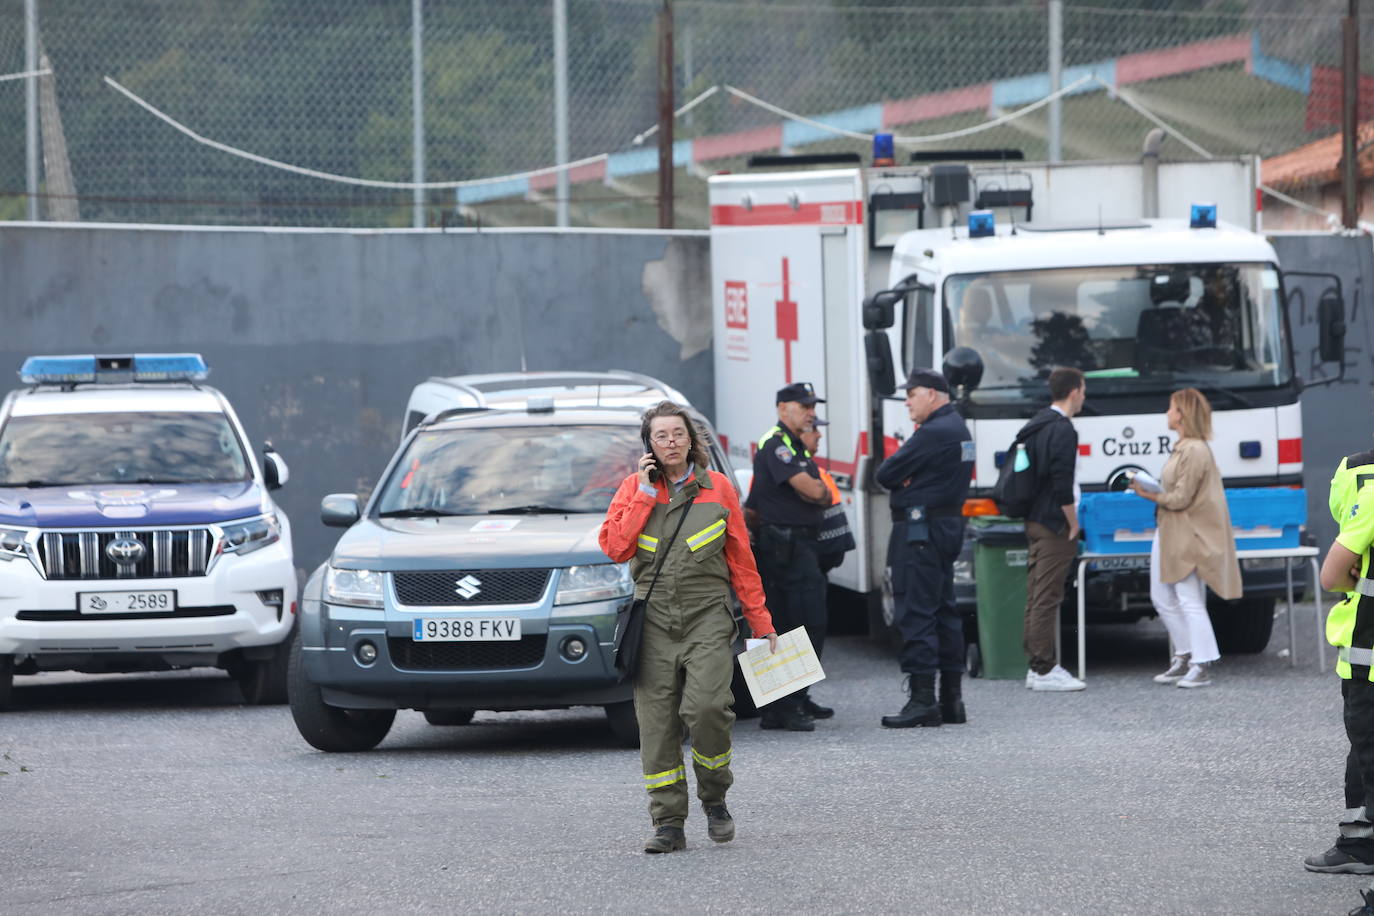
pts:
[344, 179]
[1144, 112]
[1331, 220]
[24, 75]
[641, 137]
[997, 122]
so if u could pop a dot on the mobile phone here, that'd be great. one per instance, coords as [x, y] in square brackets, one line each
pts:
[653, 468]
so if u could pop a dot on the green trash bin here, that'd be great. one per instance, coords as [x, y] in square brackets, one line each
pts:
[999, 564]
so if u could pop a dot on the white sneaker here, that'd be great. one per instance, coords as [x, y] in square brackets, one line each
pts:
[1197, 676]
[1057, 680]
[1177, 669]
[1030, 678]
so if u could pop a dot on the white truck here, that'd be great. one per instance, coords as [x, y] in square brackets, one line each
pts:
[998, 270]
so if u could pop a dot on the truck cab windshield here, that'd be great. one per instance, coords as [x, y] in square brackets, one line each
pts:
[1131, 329]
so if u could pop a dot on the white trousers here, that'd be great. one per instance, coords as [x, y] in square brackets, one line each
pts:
[1182, 606]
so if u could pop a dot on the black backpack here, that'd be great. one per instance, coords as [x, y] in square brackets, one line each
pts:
[1014, 491]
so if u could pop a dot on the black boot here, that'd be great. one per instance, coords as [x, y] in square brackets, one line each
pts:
[952, 698]
[920, 710]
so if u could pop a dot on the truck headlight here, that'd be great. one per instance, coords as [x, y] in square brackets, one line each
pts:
[12, 543]
[353, 587]
[254, 534]
[601, 582]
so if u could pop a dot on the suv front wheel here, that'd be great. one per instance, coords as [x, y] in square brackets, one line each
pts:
[263, 681]
[330, 728]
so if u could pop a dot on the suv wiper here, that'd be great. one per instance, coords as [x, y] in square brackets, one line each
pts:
[416, 512]
[35, 484]
[535, 509]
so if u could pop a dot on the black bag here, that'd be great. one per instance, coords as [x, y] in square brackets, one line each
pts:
[1014, 491]
[632, 634]
[835, 539]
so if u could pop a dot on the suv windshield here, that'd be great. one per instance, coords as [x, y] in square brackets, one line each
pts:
[1131, 329]
[511, 469]
[96, 448]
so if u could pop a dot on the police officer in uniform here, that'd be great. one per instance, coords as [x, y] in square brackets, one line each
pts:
[789, 499]
[1350, 626]
[929, 480]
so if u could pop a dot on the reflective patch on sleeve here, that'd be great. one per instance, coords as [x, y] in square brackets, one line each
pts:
[648, 543]
[967, 451]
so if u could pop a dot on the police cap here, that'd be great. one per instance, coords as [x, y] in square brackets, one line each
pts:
[801, 392]
[926, 378]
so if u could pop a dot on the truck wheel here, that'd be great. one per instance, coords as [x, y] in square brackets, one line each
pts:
[263, 681]
[330, 728]
[449, 716]
[624, 725]
[1243, 627]
[6, 681]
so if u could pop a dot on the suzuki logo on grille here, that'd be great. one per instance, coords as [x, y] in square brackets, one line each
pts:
[125, 550]
[468, 586]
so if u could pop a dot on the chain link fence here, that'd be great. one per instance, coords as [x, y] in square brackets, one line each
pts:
[325, 85]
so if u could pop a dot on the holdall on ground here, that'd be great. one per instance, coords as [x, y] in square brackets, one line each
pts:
[1014, 491]
[632, 640]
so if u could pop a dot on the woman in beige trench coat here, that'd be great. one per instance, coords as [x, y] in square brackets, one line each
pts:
[1193, 543]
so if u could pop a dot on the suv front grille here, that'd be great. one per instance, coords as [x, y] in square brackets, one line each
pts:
[527, 652]
[166, 554]
[470, 586]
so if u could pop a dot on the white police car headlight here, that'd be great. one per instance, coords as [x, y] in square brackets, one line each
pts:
[254, 534]
[12, 543]
[353, 587]
[601, 582]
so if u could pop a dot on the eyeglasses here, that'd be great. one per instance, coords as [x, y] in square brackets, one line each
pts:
[665, 438]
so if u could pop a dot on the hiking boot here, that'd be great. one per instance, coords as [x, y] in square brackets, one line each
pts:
[816, 710]
[1368, 908]
[921, 710]
[1197, 676]
[1336, 861]
[720, 826]
[952, 698]
[1177, 668]
[1057, 680]
[666, 839]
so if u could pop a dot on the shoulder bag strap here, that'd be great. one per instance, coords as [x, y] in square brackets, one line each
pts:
[663, 559]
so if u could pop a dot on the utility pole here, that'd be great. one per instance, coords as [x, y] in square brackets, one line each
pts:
[417, 108]
[1056, 67]
[1350, 110]
[560, 105]
[665, 116]
[31, 110]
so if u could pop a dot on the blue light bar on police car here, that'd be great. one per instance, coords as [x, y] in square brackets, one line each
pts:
[1204, 216]
[981, 224]
[139, 367]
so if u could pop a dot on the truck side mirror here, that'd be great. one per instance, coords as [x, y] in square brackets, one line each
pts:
[879, 309]
[274, 469]
[1331, 326]
[880, 375]
[339, 510]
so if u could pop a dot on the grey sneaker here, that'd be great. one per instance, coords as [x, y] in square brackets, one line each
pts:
[1197, 676]
[666, 839]
[1337, 862]
[1177, 669]
[720, 826]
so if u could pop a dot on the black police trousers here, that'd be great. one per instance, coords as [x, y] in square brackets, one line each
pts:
[789, 564]
[923, 589]
[1357, 833]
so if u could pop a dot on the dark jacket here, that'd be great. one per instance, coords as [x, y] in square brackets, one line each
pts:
[933, 467]
[1052, 444]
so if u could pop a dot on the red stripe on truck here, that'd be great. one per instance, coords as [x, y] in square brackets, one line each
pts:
[832, 213]
[1290, 451]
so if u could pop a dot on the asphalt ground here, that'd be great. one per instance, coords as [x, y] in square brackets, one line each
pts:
[164, 794]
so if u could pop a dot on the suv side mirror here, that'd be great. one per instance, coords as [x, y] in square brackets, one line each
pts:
[340, 510]
[880, 375]
[274, 469]
[879, 309]
[1331, 326]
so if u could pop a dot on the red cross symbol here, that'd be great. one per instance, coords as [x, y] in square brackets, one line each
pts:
[787, 323]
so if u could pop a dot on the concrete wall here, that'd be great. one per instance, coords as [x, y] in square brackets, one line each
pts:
[317, 337]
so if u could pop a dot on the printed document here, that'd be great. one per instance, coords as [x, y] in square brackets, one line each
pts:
[771, 675]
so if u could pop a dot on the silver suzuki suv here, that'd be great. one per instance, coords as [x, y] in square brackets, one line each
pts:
[472, 579]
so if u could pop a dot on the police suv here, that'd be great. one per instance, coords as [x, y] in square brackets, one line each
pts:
[136, 530]
[472, 578]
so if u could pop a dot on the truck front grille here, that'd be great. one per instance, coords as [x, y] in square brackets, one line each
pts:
[166, 554]
[467, 656]
[455, 588]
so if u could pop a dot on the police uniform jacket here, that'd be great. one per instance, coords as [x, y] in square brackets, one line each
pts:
[710, 554]
[1194, 523]
[780, 457]
[936, 462]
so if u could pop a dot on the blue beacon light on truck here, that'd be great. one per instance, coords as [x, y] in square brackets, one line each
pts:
[1203, 216]
[981, 224]
[139, 367]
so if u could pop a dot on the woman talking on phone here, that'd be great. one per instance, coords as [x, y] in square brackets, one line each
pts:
[1193, 543]
[680, 527]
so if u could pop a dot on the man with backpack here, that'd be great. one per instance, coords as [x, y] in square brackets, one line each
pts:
[1045, 492]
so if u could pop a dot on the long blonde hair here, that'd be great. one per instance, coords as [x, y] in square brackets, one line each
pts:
[1194, 414]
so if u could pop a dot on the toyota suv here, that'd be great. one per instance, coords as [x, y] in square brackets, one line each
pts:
[472, 579]
[136, 528]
